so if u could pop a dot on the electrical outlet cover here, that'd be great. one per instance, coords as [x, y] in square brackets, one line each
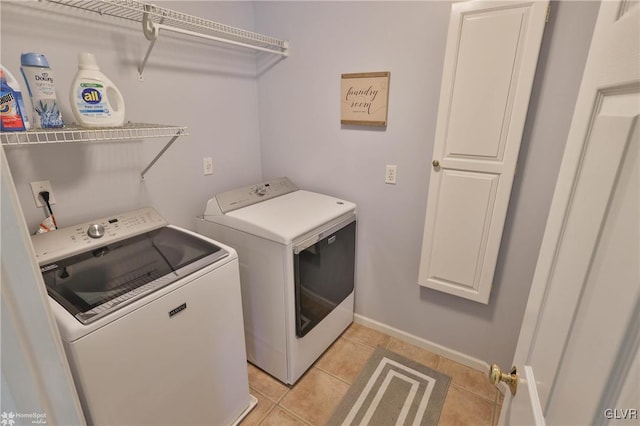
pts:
[37, 188]
[390, 174]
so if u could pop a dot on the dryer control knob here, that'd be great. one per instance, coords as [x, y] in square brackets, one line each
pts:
[95, 231]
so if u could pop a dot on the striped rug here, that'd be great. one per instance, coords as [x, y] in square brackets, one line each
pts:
[392, 390]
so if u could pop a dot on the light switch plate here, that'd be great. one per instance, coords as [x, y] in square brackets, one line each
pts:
[207, 166]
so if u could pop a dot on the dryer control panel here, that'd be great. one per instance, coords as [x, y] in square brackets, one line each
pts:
[72, 240]
[248, 195]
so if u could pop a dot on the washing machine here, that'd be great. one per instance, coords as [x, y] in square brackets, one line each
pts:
[297, 266]
[150, 317]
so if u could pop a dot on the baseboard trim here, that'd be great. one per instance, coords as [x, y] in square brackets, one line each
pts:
[452, 354]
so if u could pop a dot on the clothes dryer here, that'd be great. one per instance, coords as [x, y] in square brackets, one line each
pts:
[297, 267]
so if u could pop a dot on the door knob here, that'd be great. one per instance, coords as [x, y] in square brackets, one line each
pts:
[496, 376]
[435, 164]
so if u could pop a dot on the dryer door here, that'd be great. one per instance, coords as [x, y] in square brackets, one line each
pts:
[324, 274]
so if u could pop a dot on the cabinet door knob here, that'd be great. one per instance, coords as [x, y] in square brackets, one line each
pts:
[435, 164]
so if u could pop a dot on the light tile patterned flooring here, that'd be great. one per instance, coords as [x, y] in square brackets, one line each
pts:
[471, 399]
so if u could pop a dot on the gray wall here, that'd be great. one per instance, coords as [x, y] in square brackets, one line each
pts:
[301, 137]
[210, 89]
[281, 117]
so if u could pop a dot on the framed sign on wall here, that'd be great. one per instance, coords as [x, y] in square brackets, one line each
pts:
[364, 98]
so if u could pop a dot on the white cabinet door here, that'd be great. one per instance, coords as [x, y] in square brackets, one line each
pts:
[490, 61]
[580, 338]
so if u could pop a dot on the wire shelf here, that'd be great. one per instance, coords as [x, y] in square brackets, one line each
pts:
[79, 134]
[134, 10]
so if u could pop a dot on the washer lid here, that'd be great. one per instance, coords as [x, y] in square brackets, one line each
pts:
[283, 219]
[95, 283]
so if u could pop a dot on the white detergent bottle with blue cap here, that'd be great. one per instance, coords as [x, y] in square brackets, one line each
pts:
[40, 84]
[95, 100]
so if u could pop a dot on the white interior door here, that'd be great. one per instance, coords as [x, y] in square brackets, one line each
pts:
[579, 341]
[490, 61]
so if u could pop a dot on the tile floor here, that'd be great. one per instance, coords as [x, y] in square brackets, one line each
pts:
[471, 399]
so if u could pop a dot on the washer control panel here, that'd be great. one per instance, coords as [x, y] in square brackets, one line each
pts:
[65, 242]
[248, 195]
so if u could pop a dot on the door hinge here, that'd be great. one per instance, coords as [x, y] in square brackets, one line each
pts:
[546, 20]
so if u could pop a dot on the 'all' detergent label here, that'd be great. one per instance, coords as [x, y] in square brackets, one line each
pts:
[91, 100]
[10, 112]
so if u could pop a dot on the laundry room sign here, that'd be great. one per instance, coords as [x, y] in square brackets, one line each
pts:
[365, 98]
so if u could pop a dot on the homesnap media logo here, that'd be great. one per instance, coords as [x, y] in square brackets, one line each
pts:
[10, 418]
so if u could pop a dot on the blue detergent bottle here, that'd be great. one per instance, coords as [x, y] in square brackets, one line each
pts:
[12, 110]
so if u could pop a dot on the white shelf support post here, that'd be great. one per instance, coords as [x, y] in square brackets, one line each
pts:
[146, 169]
[151, 32]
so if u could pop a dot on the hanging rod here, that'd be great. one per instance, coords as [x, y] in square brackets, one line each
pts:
[155, 18]
[152, 29]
